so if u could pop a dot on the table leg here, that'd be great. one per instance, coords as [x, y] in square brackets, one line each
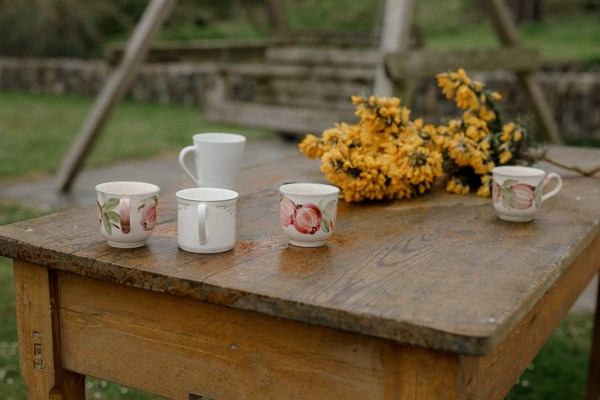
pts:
[39, 336]
[593, 387]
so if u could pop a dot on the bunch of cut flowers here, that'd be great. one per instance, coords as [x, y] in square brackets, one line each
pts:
[386, 155]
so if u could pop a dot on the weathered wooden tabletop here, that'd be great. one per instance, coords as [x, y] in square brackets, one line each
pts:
[440, 271]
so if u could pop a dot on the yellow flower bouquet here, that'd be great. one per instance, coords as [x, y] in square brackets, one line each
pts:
[386, 155]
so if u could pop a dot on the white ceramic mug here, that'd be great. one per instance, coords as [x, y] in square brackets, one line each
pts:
[307, 212]
[218, 157]
[206, 219]
[127, 212]
[517, 192]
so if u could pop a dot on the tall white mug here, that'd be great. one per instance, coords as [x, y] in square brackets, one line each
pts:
[218, 157]
[206, 219]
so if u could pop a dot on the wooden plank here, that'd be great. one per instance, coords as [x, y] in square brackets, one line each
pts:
[426, 63]
[190, 346]
[286, 119]
[314, 93]
[268, 71]
[321, 56]
[114, 89]
[214, 50]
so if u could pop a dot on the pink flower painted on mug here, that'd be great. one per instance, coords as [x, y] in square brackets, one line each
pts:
[148, 208]
[99, 209]
[515, 195]
[124, 215]
[287, 211]
[495, 192]
[524, 196]
[308, 219]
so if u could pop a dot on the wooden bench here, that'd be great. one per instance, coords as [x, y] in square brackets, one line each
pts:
[296, 90]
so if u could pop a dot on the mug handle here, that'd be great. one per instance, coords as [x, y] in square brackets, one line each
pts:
[202, 223]
[182, 154]
[547, 179]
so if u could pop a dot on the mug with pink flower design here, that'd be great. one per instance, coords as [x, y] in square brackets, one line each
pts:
[518, 192]
[127, 212]
[307, 212]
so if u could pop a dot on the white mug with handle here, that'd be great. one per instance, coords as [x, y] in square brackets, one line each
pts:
[206, 219]
[218, 157]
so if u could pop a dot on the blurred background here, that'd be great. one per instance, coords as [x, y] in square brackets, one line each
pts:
[55, 56]
[564, 30]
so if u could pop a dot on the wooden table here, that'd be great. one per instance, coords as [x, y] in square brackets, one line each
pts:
[427, 298]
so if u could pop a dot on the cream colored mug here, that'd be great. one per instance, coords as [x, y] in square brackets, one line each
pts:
[517, 192]
[307, 212]
[127, 212]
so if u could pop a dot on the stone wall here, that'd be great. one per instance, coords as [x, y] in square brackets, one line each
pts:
[573, 96]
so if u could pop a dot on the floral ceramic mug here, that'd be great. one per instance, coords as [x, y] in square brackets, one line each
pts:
[517, 192]
[307, 212]
[127, 212]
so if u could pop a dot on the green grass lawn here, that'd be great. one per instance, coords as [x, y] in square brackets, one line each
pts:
[37, 130]
[35, 133]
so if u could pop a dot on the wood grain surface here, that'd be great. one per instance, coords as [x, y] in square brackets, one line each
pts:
[441, 271]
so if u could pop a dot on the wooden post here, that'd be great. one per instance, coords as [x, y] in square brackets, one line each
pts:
[507, 32]
[395, 37]
[39, 336]
[119, 81]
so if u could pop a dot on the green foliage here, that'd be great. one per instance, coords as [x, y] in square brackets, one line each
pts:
[58, 28]
[333, 15]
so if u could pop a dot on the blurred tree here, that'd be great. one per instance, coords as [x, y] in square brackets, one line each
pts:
[81, 28]
[57, 28]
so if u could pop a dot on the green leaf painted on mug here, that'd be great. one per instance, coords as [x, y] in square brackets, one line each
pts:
[538, 194]
[329, 209]
[508, 197]
[106, 224]
[110, 204]
[113, 216]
